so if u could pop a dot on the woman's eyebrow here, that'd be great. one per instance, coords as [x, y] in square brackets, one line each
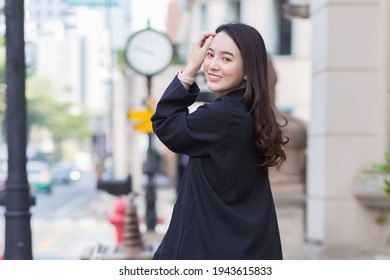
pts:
[224, 52]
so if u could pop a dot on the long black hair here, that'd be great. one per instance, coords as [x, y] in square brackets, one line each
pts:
[268, 134]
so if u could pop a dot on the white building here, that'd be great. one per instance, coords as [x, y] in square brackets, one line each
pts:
[58, 26]
[74, 43]
[116, 16]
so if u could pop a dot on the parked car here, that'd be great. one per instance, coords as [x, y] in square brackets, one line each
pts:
[65, 173]
[39, 176]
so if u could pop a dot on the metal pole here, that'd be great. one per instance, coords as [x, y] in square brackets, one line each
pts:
[17, 197]
[150, 170]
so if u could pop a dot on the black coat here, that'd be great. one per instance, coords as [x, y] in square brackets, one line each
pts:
[224, 208]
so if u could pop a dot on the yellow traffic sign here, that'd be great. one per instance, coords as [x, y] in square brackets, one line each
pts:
[141, 120]
[144, 127]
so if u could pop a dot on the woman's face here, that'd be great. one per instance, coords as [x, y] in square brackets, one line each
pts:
[223, 65]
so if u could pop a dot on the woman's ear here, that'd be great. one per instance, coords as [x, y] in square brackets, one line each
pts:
[245, 78]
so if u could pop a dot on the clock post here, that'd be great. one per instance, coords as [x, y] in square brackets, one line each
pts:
[150, 170]
[149, 52]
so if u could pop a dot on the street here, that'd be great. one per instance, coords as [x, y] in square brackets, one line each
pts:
[73, 219]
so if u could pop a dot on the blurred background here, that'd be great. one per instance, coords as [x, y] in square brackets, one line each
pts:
[329, 74]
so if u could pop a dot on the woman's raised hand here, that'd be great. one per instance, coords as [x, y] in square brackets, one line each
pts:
[198, 53]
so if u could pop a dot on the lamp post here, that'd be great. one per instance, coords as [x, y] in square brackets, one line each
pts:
[149, 52]
[150, 170]
[17, 198]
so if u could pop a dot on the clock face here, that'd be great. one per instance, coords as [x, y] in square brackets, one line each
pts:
[149, 52]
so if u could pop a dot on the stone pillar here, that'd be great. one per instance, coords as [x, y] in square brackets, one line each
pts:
[349, 126]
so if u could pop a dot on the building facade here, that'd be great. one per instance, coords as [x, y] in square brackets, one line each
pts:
[74, 43]
[349, 127]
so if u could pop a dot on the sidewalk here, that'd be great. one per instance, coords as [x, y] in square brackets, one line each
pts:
[165, 197]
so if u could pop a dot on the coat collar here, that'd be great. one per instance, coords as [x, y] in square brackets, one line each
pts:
[237, 93]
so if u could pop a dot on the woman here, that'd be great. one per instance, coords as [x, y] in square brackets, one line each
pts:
[224, 208]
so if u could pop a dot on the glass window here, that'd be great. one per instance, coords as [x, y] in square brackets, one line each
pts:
[234, 11]
[203, 16]
[284, 31]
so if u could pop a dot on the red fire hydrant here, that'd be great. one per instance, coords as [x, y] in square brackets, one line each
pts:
[118, 219]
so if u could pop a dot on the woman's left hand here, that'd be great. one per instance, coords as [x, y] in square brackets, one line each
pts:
[198, 53]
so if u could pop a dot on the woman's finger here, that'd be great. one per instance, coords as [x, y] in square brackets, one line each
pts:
[204, 37]
[207, 42]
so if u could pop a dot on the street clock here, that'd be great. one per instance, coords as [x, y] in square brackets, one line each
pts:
[148, 52]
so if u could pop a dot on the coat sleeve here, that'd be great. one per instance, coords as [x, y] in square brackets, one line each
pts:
[192, 134]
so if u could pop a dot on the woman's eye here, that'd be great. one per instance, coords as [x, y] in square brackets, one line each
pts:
[209, 54]
[226, 59]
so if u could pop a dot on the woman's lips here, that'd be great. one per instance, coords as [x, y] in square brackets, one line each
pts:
[214, 78]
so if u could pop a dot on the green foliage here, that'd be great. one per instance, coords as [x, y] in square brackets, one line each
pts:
[59, 118]
[43, 111]
[380, 173]
[40, 104]
[121, 60]
[387, 186]
[65, 125]
[385, 217]
[384, 169]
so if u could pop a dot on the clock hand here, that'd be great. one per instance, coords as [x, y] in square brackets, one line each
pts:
[144, 50]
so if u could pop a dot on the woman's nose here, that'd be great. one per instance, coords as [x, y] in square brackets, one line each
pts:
[214, 64]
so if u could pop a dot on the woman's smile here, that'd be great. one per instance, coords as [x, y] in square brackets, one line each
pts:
[214, 78]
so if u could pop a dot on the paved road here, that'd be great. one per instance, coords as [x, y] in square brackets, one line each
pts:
[74, 219]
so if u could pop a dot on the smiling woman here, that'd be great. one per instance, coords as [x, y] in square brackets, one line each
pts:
[224, 208]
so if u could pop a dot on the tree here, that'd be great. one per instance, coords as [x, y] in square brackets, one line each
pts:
[64, 121]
